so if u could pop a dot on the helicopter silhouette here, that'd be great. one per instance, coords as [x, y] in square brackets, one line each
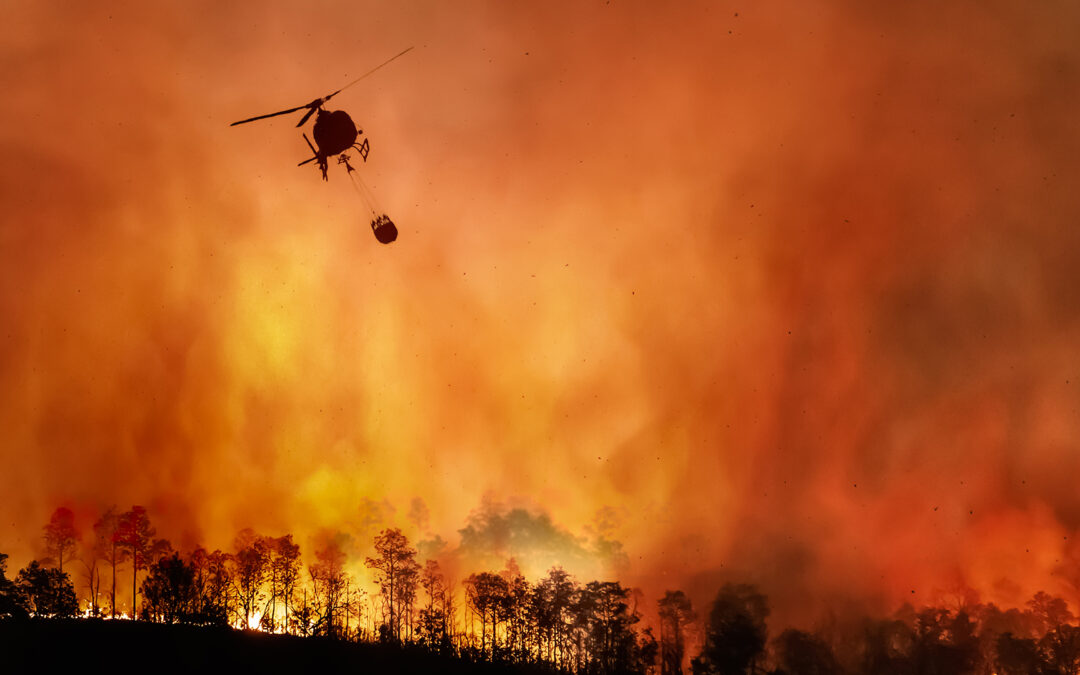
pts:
[335, 134]
[334, 131]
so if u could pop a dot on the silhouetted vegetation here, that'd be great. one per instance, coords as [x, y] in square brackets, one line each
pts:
[735, 632]
[61, 536]
[46, 592]
[676, 614]
[12, 605]
[504, 622]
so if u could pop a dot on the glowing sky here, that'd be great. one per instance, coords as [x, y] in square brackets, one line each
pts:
[777, 291]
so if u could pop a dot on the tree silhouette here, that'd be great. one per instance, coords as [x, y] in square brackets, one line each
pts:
[135, 534]
[329, 583]
[212, 581]
[1017, 656]
[396, 567]
[887, 646]
[485, 592]
[944, 642]
[48, 592]
[800, 653]
[610, 641]
[648, 649]
[431, 626]
[1061, 648]
[552, 603]
[735, 633]
[410, 579]
[108, 548]
[169, 592]
[95, 550]
[1048, 611]
[515, 610]
[284, 572]
[250, 566]
[12, 602]
[61, 536]
[676, 613]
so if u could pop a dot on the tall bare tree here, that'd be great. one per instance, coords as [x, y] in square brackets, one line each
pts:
[108, 548]
[94, 551]
[250, 566]
[282, 573]
[135, 534]
[676, 613]
[432, 624]
[212, 581]
[486, 593]
[396, 569]
[554, 597]
[330, 584]
[515, 609]
[61, 537]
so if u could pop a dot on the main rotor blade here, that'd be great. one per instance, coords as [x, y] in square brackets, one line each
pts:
[309, 112]
[328, 97]
[314, 105]
[262, 117]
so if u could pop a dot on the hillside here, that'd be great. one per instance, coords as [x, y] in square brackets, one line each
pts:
[91, 645]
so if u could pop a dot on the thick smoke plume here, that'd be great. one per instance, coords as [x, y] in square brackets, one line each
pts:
[782, 292]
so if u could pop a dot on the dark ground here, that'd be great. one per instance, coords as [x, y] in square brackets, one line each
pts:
[78, 646]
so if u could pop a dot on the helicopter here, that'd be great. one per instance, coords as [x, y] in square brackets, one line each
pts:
[335, 134]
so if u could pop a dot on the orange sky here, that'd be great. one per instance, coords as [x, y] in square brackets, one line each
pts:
[776, 291]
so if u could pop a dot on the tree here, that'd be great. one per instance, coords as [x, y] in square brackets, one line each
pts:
[551, 609]
[410, 578]
[432, 619]
[61, 536]
[676, 613]
[648, 649]
[1018, 656]
[107, 547]
[169, 591]
[250, 565]
[735, 633]
[12, 602]
[944, 642]
[485, 592]
[212, 583]
[284, 570]
[1049, 611]
[135, 534]
[48, 592]
[887, 646]
[607, 620]
[800, 653]
[1061, 648]
[95, 550]
[396, 568]
[515, 610]
[329, 583]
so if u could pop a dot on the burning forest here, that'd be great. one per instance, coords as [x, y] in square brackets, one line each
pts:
[697, 318]
[553, 623]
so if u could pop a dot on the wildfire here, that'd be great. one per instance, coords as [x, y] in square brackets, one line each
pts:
[690, 297]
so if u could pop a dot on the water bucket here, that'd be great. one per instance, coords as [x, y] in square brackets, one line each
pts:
[384, 229]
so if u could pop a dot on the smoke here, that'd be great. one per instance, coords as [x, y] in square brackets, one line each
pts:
[495, 533]
[780, 293]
